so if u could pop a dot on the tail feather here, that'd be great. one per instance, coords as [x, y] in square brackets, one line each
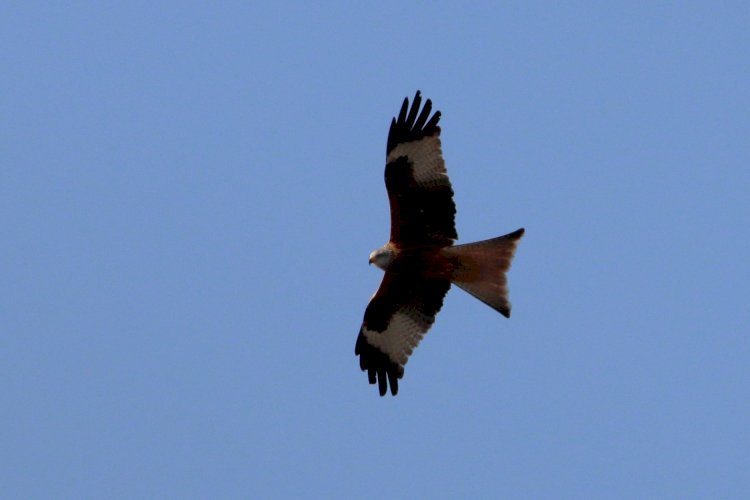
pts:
[480, 269]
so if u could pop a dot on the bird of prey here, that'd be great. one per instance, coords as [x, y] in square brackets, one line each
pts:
[420, 260]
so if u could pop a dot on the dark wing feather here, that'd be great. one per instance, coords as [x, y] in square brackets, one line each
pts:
[396, 319]
[419, 191]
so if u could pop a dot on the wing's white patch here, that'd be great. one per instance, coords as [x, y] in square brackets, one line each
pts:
[426, 159]
[404, 332]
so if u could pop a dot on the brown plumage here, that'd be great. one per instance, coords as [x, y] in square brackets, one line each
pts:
[420, 260]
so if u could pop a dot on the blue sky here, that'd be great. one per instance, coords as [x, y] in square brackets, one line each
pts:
[189, 193]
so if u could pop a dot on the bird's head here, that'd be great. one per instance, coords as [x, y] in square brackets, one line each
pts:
[382, 257]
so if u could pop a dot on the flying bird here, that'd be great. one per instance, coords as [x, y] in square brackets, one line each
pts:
[420, 260]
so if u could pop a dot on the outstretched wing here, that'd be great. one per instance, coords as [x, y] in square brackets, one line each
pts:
[419, 191]
[396, 319]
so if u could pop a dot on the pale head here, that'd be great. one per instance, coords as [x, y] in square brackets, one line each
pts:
[382, 257]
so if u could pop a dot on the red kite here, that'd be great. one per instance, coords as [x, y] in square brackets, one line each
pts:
[420, 260]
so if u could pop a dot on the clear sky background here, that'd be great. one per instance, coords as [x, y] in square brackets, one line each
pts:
[189, 192]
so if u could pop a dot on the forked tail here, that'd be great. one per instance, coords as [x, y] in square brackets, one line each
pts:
[480, 269]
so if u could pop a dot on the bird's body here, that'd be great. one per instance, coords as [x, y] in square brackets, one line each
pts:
[420, 260]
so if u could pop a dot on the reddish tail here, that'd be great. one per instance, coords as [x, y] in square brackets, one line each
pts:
[481, 267]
